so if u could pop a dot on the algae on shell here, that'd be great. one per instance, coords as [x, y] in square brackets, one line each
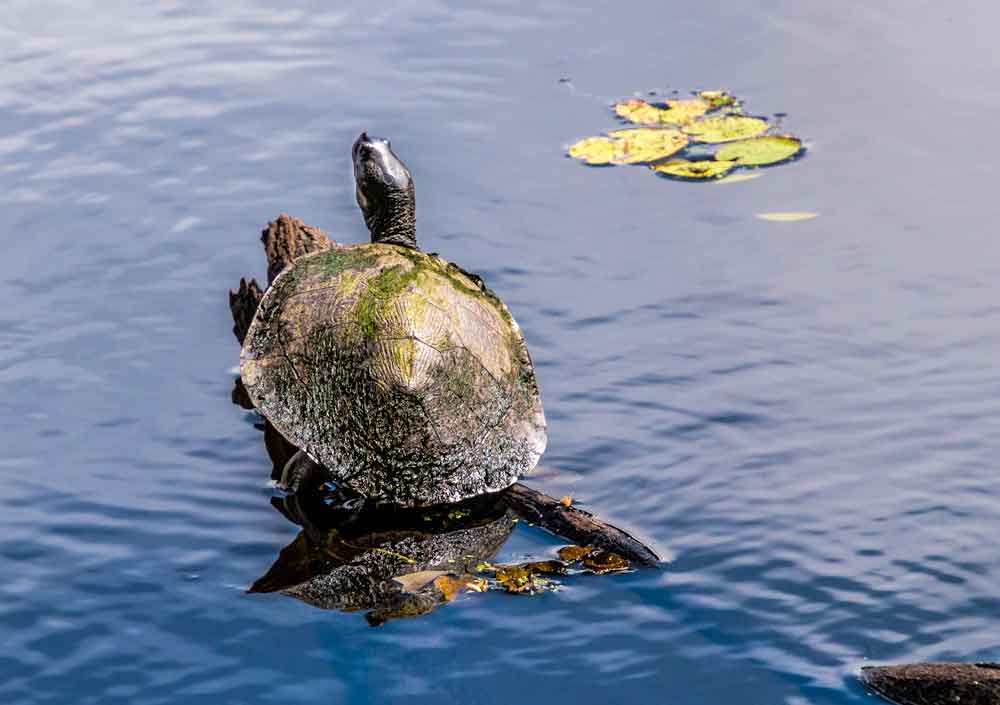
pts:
[399, 372]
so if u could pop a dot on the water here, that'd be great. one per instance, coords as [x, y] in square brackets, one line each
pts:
[802, 415]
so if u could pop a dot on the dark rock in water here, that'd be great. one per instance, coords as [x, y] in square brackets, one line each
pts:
[936, 683]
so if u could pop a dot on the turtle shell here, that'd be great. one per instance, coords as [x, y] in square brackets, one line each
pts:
[402, 374]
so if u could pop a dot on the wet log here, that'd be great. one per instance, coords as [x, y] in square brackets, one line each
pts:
[287, 238]
[936, 683]
[576, 525]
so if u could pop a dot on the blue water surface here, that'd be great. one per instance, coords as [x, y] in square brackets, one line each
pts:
[804, 416]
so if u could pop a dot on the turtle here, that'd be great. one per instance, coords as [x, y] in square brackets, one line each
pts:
[400, 373]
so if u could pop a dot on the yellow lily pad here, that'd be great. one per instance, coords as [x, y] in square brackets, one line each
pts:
[700, 170]
[725, 128]
[595, 150]
[760, 151]
[646, 144]
[677, 112]
[787, 216]
[719, 99]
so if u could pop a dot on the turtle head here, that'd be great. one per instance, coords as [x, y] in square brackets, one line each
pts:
[385, 192]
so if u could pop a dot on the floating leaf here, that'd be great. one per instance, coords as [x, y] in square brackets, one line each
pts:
[719, 99]
[595, 150]
[724, 128]
[786, 217]
[700, 170]
[646, 144]
[638, 111]
[545, 567]
[574, 553]
[515, 578]
[451, 585]
[760, 151]
[412, 582]
[676, 112]
[605, 562]
[736, 178]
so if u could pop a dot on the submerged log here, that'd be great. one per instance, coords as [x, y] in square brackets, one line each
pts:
[288, 238]
[936, 683]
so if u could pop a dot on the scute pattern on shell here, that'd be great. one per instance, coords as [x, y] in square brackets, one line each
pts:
[401, 374]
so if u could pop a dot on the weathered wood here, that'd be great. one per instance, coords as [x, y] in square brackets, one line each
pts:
[936, 683]
[243, 305]
[576, 525]
[286, 239]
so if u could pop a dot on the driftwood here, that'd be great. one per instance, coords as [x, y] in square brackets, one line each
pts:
[576, 525]
[288, 238]
[936, 683]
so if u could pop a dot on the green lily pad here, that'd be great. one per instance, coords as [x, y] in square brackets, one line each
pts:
[761, 151]
[700, 170]
[725, 128]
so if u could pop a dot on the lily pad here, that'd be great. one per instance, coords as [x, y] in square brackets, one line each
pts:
[675, 112]
[719, 99]
[595, 150]
[725, 128]
[760, 151]
[646, 144]
[699, 170]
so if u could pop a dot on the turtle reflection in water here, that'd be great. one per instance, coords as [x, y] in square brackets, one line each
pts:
[388, 561]
[354, 554]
